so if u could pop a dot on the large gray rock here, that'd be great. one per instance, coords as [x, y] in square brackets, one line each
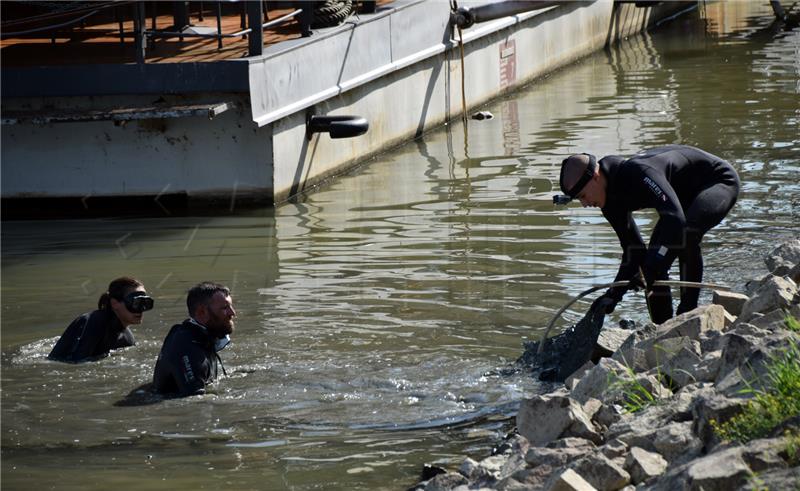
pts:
[743, 367]
[643, 465]
[492, 468]
[653, 386]
[730, 301]
[770, 321]
[691, 324]
[473, 470]
[676, 442]
[764, 454]
[446, 482]
[631, 356]
[750, 331]
[614, 449]
[794, 274]
[573, 379]
[493, 465]
[775, 292]
[736, 350]
[542, 419]
[607, 415]
[595, 383]
[526, 479]
[601, 472]
[682, 367]
[556, 457]
[715, 407]
[611, 338]
[719, 471]
[569, 480]
[753, 285]
[514, 464]
[638, 430]
[779, 479]
[572, 442]
[658, 351]
[591, 407]
[786, 253]
[709, 366]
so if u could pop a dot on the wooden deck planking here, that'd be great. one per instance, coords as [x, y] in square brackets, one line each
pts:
[101, 43]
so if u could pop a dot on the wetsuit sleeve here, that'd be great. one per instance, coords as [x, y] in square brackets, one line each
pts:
[633, 249]
[670, 229]
[191, 370]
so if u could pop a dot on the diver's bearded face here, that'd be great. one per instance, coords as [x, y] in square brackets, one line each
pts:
[220, 314]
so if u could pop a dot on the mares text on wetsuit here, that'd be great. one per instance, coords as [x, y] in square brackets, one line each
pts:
[187, 361]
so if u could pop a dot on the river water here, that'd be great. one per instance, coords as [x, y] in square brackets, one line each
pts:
[373, 312]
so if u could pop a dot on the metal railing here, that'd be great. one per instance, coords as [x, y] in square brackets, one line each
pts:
[254, 14]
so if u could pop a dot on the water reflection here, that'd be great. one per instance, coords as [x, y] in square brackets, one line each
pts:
[372, 311]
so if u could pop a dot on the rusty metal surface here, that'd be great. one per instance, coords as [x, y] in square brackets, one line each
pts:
[42, 117]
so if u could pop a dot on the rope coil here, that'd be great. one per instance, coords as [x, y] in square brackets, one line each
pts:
[331, 13]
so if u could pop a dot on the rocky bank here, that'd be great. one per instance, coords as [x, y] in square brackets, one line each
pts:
[582, 437]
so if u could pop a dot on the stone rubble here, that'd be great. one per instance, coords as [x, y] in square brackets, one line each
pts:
[579, 437]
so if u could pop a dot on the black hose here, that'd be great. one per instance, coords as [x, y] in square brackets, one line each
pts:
[684, 284]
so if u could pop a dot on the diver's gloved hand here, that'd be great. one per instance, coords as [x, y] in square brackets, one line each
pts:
[637, 283]
[605, 304]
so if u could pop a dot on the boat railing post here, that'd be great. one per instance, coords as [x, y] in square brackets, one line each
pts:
[255, 38]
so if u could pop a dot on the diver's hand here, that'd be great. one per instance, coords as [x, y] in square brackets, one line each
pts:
[605, 304]
[637, 283]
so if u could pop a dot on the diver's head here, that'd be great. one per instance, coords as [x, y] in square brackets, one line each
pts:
[581, 179]
[211, 305]
[127, 298]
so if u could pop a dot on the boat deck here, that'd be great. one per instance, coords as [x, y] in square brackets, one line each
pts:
[107, 36]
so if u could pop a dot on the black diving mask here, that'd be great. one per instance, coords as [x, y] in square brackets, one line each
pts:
[138, 302]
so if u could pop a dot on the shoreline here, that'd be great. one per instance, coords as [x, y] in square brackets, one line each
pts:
[650, 415]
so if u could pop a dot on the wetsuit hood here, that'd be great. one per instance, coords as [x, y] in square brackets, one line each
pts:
[573, 190]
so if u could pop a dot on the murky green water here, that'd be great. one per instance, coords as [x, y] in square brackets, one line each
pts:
[371, 312]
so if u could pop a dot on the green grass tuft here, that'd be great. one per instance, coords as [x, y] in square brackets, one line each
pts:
[635, 395]
[792, 447]
[792, 324]
[771, 405]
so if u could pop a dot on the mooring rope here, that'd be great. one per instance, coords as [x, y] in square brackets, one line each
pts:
[331, 13]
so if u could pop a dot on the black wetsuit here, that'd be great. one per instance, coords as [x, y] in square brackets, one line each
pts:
[91, 336]
[692, 191]
[187, 361]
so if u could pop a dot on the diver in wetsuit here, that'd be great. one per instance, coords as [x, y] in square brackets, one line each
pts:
[94, 334]
[188, 360]
[692, 191]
